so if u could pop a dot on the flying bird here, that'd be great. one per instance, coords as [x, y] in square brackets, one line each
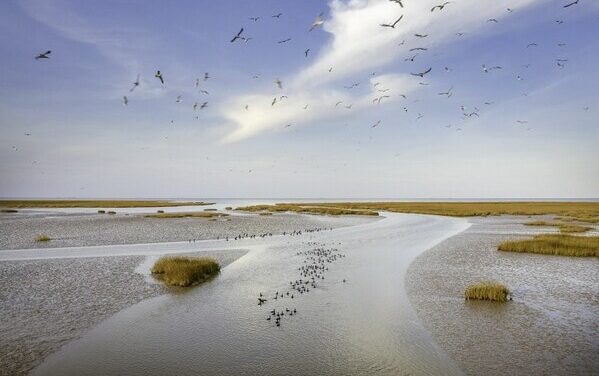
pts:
[376, 124]
[204, 92]
[441, 6]
[195, 106]
[307, 52]
[318, 21]
[393, 24]
[421, 35]
[178, 100]
[338, 103]
[158, 75]
[43, 55]
[254, 18]
[572, 3]
[410, 58]
[487, 69]
[274, 100]
[378, 100]
[277, 15]
[448, 93]
[278, 83]
[284, 41]
[492, 20]
[531, 45]
[398, 2]
[237, 36]
[206, 76]
[204, 105]
[135, 84]
[422, 74]
[418, 49]
[125, 100]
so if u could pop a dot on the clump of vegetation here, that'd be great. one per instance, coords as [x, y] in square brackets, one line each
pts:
[228, 208]
[204, 214]
[185, 271]
[111, 212]
[581, 211]
[96, 203]
[9, 211]
[563, 227]
[554, 244]
[210, 209]
[265, 213]
[492, 291]
[42, 238]
[159, 211]
[101, 211]
[307, 209]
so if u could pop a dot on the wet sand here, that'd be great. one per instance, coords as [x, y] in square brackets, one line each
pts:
[550, 328]
[45, 303]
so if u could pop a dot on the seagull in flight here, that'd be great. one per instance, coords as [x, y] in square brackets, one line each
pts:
[419, 49]
[278, 15]
[448, 93]
[237, 36]
[376, 124]
[204, 105]
[410, 58]
[254, 18]
[338, 103]
[307, 52]
[284, 41]
[43, 55]
[206, 76]
[487, 69]
[158, 75]
[125, 100]
[378, 100]
[421, 35]
[135, 84]
[393, 24]
[318, 21]
[278, 83]
[572, 3]
[398, 2]
[531, 45]
[178, 100]
[441, 6]
[422, 74]
[205, 92]
[492, 20]
[274, 100]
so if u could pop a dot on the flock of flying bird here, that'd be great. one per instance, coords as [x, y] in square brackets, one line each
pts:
[241, 36]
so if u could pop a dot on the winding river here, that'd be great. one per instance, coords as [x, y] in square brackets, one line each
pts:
[363, 326]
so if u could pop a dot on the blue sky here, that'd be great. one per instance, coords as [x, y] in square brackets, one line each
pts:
[66, 132]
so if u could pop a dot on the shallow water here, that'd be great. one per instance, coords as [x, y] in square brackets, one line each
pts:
[363, 326]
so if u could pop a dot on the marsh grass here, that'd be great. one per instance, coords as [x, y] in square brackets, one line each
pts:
[159, 211]
[111, 212]
[554, 244]
[204, 214]
[580, 211]
[229, 208]
[101, 211]
[42, 238]
[307, 209]
[185, 271]
[9, 211]
[265, 213]
[566, 228]
[492, 291]
[95, 203]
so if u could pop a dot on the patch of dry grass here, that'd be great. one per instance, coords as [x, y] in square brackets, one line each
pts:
[42, 238]
[582, 211]
[9, 211]
[185, 271]
[492, 291]
[202, 214]
[563, 227]
[307, 209]
[554, 244]
[95, 203]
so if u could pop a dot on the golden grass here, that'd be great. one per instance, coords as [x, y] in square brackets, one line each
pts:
[202, 214]
[554, 244]
[563, 227]
[308, 209]
[95, 203]
[42, 238]
[185, 271]
[492, 291]
[589, 211]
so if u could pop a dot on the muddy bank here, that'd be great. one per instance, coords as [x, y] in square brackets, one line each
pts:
[550, 327]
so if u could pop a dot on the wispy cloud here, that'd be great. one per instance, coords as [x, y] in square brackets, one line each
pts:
[357, 45]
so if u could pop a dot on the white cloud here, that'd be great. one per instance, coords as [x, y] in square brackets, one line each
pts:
[358, 44]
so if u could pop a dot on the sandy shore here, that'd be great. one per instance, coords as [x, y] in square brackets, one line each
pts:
[78, 230]
[550, 327]
[46, 303]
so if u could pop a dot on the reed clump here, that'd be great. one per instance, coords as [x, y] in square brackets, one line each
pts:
[185, 271]
[307, 209]
[42, 238]
[555, 244]
[9, 211]
[563, 227]
[492, 291]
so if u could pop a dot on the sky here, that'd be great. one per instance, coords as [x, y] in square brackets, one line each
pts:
[529, 129]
